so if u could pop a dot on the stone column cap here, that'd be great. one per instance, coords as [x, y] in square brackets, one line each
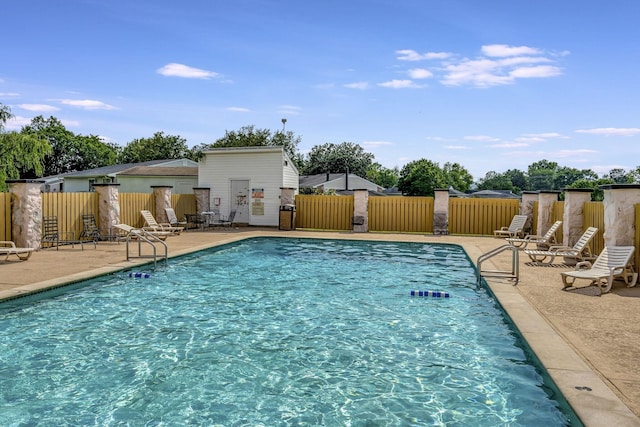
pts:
[201, 188]
[108, 184]
[579, 190]
[24, 181]
[161, 186]
[549, 191]
[619, 186]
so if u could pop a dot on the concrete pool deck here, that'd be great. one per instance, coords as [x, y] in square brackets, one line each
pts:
[589, 344]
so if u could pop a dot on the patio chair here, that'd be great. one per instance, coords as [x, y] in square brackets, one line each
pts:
[541, 242]
[196, 221]
[153, 225]
[581, 251]
[90, 229]
[7, 248]
[52, 236]
[515, 229]
[224, 223]
[612, 263]
[132, 233]
[173, 218]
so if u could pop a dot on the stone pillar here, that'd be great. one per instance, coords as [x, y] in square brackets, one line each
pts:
[360, 219]
[441, 211]
[573, 217]
[26, 212]
[529, 198]
[162, 195]
[619, 213]
[108, 207]
[287, 196]
[203, 202]
[546, 200]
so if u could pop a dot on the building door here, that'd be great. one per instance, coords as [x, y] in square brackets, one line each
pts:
[240, 200]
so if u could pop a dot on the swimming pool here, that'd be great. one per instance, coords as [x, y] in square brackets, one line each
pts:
[274, 332]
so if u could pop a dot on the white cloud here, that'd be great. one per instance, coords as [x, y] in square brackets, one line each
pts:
[88, 104]
[509, 145]
[420, 73]
[572, 153]
[481, 138]
[42, 108]
[412, 55]
[291, 110]
[502, 50]
[8, 94]
[181, 70]
[239, 109]
[545, 135]
[399, 84]
[535, 72]
[611, 131]
[456, 147]
[357, 85]
[17, 122]
[376, 143]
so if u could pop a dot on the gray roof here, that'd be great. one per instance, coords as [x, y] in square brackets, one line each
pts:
[321, 178]
[111, 170]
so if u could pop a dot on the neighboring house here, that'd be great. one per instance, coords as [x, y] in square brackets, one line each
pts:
[248, 180]
[181, 174]
[338, 182]
[495, 194]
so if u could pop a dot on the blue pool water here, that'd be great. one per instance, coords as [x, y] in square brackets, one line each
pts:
[273, 332]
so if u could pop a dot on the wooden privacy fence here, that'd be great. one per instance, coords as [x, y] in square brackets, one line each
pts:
[5, 216]
[401, 214]
[593, 216]
[69, 207]
[480, 216]
[324, 212]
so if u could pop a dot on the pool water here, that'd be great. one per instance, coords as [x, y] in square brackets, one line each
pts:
[274, 332]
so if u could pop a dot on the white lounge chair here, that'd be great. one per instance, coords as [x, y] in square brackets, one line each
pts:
[7, 248]
[612, 263]
[581, 251]
[153, 225]
[173, 218]
[515, 229]
[541, 241]
[129, 232]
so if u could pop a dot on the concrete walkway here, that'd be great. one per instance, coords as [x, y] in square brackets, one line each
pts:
[589, 344]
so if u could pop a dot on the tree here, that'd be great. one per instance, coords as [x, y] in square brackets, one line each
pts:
[337, 158]
[19, 152]
[457, 176]
[495, 181]
[519, 180]
[620, 176]
[249, 136]
[384, 177]
[70, 152]
[542, 175]
[158, 147]
[421, 178]
[594, 184]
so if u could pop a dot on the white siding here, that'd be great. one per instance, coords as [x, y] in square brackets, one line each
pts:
[263, 168]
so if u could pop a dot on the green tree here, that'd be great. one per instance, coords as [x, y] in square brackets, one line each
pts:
[158, 147]
[421, 178]
[519, 180]
[19, 153]
[620, 176]
[337, 158]
[457, 176]
[70, 152]
[594, 184]
[249, 136]
[542, 175]
[495, 181]
[382, 176]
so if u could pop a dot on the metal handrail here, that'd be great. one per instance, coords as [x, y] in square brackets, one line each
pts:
[515, 266]
[150, 238]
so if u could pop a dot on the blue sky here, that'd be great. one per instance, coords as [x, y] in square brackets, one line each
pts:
[492, 85]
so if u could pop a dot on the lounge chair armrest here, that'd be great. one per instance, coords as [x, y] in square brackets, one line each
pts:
[583, 265]
[8, 243]
[557, 248]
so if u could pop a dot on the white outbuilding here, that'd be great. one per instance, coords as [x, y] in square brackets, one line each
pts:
[249, 180]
